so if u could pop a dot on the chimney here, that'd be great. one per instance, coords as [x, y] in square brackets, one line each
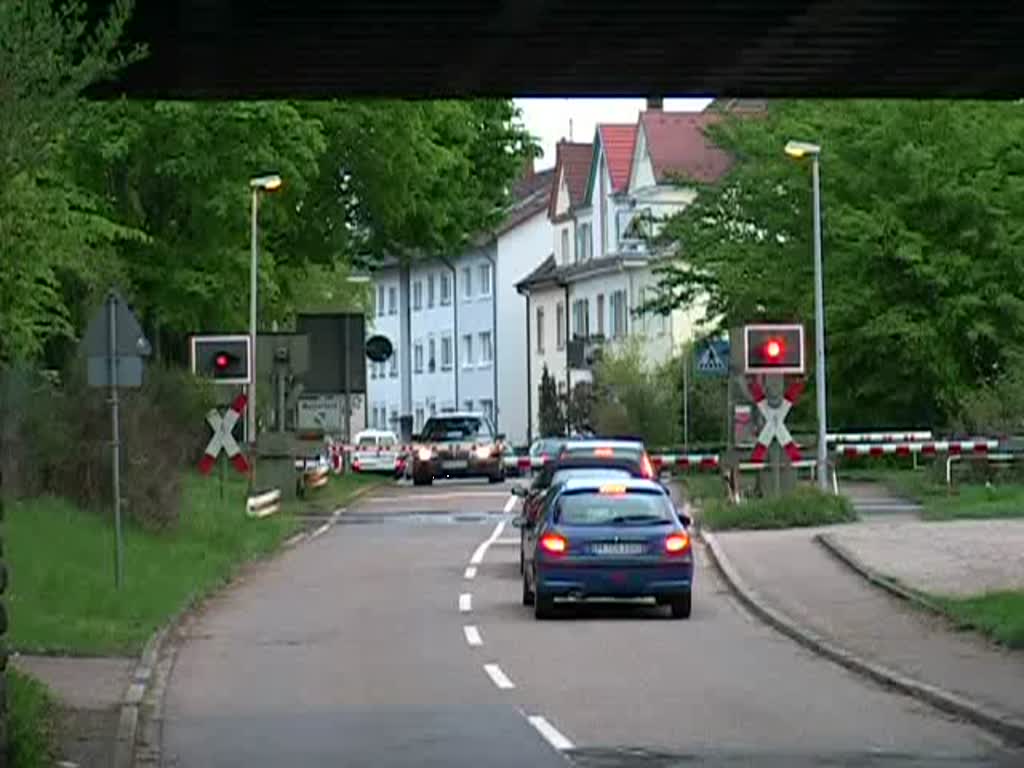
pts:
[654, 103]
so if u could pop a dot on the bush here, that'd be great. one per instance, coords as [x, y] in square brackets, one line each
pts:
[805, 506]
[57, 440]
[31, 723]
[631, 397]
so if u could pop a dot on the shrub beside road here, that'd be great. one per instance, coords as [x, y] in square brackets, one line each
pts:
[31, 722]
[805, 506]
[999, 615]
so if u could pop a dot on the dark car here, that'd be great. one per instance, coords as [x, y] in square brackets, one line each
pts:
[599, 538]
[563, 466]
[458, 445]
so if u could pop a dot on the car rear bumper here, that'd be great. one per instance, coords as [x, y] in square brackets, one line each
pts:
[474, 468]
[614, 580]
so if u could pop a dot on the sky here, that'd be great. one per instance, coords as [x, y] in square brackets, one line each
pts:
[549, 119]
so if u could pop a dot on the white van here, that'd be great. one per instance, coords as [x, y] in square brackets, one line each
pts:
[377, 450]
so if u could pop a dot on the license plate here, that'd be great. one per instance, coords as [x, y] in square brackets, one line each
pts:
[618, 549]
[455, 464]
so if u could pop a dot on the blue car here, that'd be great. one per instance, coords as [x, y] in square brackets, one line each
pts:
[608, 537]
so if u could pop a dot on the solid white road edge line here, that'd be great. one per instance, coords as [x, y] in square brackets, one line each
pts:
[551, 734]
[470, 572]
[498, 677]
[472, 635]
[321, 530]
[509, 504]
[478, 555]
[465, 602]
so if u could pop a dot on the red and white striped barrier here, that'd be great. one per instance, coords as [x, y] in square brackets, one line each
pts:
[880, 437]
[685, 460]
[926, 449]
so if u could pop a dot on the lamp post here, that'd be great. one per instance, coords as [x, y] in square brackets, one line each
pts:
[799, 150]
[265, 183]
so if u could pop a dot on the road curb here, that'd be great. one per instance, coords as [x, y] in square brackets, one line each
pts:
[146, 690]
[890, 585]
[1004, 725]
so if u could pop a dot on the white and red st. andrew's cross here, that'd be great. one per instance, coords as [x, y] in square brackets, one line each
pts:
[222, 439]
[775, 421]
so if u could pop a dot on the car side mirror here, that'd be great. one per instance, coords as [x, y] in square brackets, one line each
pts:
[521, 522]
[500, 436]
[519, 491]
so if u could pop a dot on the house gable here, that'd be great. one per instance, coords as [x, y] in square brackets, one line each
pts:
[641, 175]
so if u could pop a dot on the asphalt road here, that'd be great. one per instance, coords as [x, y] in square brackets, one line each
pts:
[398, 639]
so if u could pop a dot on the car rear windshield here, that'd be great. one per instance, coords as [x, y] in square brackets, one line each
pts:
[562, 475]
[367, 440]
[454, 428]
[620, 452]
[633, 507]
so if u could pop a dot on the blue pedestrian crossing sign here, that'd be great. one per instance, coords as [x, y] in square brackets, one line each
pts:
[712, 357]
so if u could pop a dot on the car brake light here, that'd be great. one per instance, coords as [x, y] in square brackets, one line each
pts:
[604, 452]
[552, 542]
[677, 542]
[646, 467]
[612, 489]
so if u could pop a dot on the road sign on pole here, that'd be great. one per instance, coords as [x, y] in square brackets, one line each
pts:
[114, 345]
[774, 428]
[712, 357]
[223, 438]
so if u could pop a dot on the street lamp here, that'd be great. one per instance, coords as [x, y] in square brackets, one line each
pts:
[800, 150]
[266, 183]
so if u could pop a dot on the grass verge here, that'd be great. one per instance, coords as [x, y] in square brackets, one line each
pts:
[31, 722]
[975, 502]
[805, 506]
[999, 615]
[62, 596]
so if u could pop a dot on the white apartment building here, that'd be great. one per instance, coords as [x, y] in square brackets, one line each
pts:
[466, 348]
[585, 295]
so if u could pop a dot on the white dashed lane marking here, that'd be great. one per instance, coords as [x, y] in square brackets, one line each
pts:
[470, 572]
[498, 677]
[551, 734]
[465, 602]
[472, 635]
[509, 504]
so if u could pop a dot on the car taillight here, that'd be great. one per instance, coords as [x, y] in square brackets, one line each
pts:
[646, 467]
[604, 452]
[553, 543]
[677, 542]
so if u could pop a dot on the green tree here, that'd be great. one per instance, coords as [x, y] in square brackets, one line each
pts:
[550, 416]
[54, 242]
[579, 407]
[922, 230]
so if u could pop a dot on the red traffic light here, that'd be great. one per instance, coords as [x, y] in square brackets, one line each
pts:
[774, 349]
[222, 361]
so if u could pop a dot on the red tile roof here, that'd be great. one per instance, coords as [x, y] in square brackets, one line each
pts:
[677, 145]
[618, 142]
[573, 161]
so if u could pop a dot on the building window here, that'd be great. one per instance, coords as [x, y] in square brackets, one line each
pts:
[583, 242]
[446, 290]
[600, 314]
[417, 295]
[540, 330]
[432, 407]
[394, 418]
[417, 358]
[394, 364]
[487, 406]
[373, 370]
[419, 419]
[486, 350]
[467, 283]
[430, 290]
[380, 301]
[431, 355]
[467, 350]
[467, 405]
[392, 301]
[581, 318]
[618, 314]
[602, 171]
[485, 279]
[560, 325]
[565, 245]
[446, 353]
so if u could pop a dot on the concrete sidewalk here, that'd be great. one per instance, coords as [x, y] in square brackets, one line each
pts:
[794, 574]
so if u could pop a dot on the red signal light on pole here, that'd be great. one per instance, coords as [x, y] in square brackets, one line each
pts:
[774, 350]
[222, 361]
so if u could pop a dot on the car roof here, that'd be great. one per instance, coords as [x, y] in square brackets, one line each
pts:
[375, 433]
[583, 484]
[593, 462]
[595, 441]
[457, 415]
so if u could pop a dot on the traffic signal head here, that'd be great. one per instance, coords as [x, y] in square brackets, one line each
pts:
[224, 359]
[774, 348]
